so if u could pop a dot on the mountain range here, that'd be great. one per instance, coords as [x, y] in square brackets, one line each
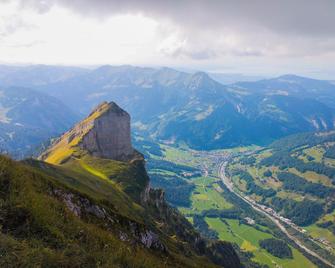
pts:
[28, 118]
[177, 107]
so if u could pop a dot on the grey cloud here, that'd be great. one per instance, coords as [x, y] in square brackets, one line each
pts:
[218, 28]
[298, 17]
[10, 25]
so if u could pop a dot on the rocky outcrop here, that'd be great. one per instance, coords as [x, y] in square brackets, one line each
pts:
[110, 135]
[105, 133]
[128, 230]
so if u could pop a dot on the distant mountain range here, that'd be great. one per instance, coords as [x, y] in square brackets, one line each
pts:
[29, 117]
[173, 106]
[193, 108]
[36, 75]
[231, 78]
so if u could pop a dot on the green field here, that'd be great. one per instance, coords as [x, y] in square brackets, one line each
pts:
[248, 238]
[207, 195]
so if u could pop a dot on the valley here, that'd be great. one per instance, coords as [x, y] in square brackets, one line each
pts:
[214, 208]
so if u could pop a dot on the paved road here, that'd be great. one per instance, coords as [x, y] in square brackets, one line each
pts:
[227, 182]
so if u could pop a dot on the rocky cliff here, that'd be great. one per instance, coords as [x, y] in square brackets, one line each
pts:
[105, 133]
[109, 136]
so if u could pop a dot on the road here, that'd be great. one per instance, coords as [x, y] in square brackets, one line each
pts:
[228, 183]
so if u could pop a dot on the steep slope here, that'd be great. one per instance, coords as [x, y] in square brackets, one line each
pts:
[194, 109]
[28, 117]
[83, 208]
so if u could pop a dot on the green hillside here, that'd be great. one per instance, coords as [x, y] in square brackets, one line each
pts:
[294, 176]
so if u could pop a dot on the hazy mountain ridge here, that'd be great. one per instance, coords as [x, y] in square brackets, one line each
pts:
[37, 75]
[171, 105]
[28, 118]
[193, 108]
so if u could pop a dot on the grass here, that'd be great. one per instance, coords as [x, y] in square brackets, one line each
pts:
[185, 156]
[316, 152]
[248, 239]
[44, 233]
[93, 171]
[206, 196]
[313, 177]
[52, 236]
[318, 232]
[290, 195]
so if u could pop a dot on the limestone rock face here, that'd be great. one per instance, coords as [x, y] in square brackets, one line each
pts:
[105, 133]
[109, 136]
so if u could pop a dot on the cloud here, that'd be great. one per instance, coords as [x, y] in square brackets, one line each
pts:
[302, 17]
[242, 28]
[210, 33]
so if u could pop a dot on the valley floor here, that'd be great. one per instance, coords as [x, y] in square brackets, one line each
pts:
[224, 215]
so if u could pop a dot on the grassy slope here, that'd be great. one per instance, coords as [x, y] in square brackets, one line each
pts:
[38, 229]
[67, 145]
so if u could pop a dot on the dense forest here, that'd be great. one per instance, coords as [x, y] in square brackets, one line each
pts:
[277, 248]
[293, 182]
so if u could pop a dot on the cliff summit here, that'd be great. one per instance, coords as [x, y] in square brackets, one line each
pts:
[105, 133]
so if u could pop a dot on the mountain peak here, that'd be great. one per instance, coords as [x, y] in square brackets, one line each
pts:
[200, 81]
[200, 75]
[106, 107]
[104, 133]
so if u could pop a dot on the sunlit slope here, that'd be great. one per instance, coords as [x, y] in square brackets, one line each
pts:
[46, 221]
[67, 145]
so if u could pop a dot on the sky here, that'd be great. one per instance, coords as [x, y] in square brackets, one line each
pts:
[263, 37]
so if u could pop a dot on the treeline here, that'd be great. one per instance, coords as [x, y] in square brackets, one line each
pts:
[277, 248]
[251, 186]
[303, 213]
[232, 213]
[170, 166]
[147, 147]
[330, 152]
[201, 225]
[295, 183]
[302, 139]
[284, 160]
[330, 225]
[177, 190]
[248, 160]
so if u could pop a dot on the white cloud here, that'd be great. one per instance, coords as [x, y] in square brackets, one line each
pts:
[284, 36]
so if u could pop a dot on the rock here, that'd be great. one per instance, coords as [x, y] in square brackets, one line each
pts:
[151, 240]
[105, 133]
[131, 231]
[110, 135]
